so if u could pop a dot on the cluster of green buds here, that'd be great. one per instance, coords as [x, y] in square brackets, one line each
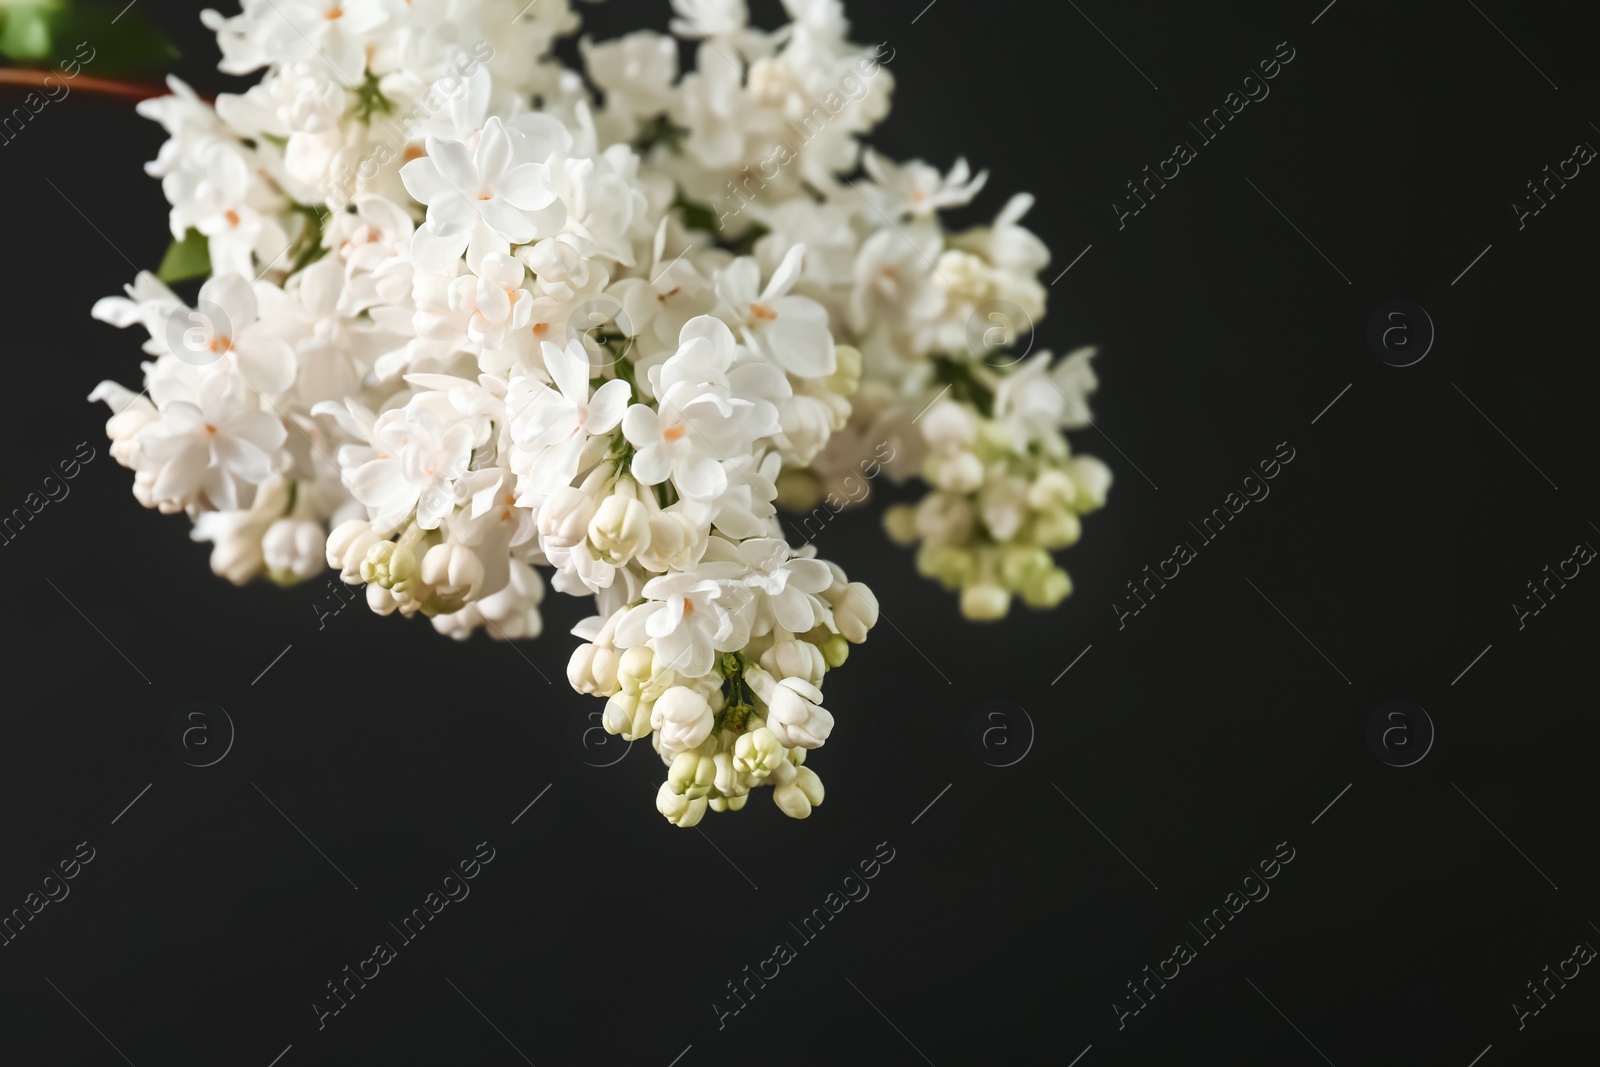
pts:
[1004, 497]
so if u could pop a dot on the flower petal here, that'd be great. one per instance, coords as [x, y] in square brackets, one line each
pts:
[453, 165]
[698, 476]
[527, 187]
[607, 406]
[651, 464]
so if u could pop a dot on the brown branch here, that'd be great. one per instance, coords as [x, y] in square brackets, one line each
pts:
[84, 82]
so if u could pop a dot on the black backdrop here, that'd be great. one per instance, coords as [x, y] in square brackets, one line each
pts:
[1186, 745]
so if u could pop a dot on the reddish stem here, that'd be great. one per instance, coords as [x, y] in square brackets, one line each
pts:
[85, 82]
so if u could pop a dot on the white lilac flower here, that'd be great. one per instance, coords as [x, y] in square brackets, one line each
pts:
[917, 189]
[1037, 400]
[419, 458]
[224, 327]
[791, 330]
[480, 317]
[690, 617]
[562, 420]
[221, 193]
[213, 443]
[484, 197]
[493, 300]
[670, 445]
[786, 586]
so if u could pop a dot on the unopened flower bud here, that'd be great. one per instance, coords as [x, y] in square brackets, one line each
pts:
[1051, 491]
[692, 774]
[635, 667]
[593, 669]
[626, 716]
[944, 518]
[1057, 529]
[680, 810]
[951, 566]
[1093, 481]
[564, 517]
[453, 569]
[900, 522]
[790, 657]
[728, 802]
[855, 611]
[673, 539]
[1020, 565]
[798, 490]
[730, 782]
[380, 600]
[846, 376]
[684, 718]
[1048, 590]
[757, 752]
[984, 601]
[388, 565]
[236, 554]
[795, 714]
[347, 547]
[796, 797]
[948, 424]
[958, 472]
[620, 528]
[835, 650]
[293, 548]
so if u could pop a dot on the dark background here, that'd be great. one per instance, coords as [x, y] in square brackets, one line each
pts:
[1206, 731]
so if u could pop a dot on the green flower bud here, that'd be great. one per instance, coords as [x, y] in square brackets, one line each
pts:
[1057, 529]
[1048, 590]
[387, 565]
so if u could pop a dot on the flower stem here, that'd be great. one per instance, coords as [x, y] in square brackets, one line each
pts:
[84, 82]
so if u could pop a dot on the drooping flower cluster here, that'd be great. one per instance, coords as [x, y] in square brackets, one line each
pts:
[466, 317]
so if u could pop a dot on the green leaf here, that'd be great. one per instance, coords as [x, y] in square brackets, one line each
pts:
[26, 33]
[109, 39]
[185, 259]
